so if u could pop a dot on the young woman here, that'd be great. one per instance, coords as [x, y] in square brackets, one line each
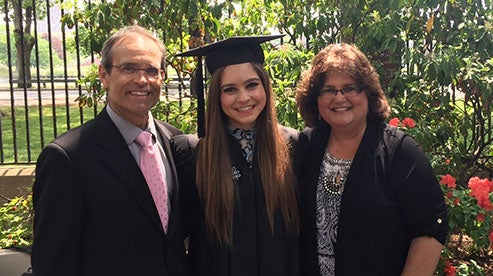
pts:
[240, 187]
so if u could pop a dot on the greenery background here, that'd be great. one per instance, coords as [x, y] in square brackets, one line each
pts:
[434, 59]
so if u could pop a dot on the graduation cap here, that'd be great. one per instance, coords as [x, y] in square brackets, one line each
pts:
[234, 50]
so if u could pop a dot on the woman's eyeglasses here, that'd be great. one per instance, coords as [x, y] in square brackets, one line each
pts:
[348, 91]
[131, 70]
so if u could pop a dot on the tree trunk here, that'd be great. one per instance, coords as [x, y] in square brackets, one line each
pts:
[23, 53]
[24, 42]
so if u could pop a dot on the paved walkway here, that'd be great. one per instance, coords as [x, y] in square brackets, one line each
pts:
[32, 98]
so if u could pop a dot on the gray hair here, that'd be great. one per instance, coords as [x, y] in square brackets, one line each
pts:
[107, 51]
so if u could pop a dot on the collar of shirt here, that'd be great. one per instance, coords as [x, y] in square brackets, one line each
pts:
[246, 139]
[239, 133]
[128, 130]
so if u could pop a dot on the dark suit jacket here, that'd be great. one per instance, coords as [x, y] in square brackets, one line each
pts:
[94, 214]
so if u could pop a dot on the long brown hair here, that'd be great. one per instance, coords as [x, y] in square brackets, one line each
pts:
[214, 179]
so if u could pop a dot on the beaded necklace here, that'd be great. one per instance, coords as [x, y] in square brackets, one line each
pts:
[334, 174]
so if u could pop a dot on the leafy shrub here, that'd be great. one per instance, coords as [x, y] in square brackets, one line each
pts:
[471, 222]
[468, 250]
[16, 218]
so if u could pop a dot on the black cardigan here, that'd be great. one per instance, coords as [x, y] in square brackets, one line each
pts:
[382, 210]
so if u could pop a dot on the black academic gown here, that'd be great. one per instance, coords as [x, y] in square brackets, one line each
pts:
[256, 250]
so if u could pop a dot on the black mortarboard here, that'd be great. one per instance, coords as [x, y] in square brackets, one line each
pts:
[233, 50]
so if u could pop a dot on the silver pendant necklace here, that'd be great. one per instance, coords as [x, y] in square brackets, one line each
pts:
[335, 173]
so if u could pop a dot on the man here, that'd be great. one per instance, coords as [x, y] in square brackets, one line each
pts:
[94, 209]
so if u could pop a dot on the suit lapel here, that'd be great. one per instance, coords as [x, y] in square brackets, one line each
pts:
[118, 159]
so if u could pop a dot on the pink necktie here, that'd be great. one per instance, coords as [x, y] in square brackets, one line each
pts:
[154, 175]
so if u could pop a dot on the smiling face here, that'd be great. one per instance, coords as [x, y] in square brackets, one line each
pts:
[132, 95]
[243, 95]
[343, 111]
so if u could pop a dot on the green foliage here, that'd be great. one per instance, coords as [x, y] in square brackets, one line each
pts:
[16, 218]
[285, 66]
[43, 51]
[470, 213]
[40, 7]
[94, 91]
[434, 59]
[44, 55]
[463, 214]
[3, 45]
[180, 113]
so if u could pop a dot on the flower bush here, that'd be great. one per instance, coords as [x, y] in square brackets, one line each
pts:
[470, 210]
[394, 122]
[469, 249]
[471, 220]
[406, 123]
[16, 218]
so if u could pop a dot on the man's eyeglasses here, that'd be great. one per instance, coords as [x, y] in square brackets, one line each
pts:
[131, 69]
[348, 91]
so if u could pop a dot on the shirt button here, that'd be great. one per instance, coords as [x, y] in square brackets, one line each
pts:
[439, 220]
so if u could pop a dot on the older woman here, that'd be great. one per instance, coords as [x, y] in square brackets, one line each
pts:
[370, 203]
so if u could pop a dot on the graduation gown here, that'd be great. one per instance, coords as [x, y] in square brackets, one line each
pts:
[256, 249]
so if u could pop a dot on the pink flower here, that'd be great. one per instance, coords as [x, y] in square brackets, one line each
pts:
[449, 269]
[480, 189]
[394, 122]
[456, 201]
[447, 161]
[449, 181]
[408, 122]
[480, 217]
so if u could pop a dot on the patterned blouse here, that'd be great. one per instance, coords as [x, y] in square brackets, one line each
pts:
[333, 172]
[246, 139]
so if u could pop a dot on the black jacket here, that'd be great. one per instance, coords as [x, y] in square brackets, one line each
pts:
[94, 213]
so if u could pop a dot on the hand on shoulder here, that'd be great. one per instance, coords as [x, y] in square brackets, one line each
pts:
[183, 147]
